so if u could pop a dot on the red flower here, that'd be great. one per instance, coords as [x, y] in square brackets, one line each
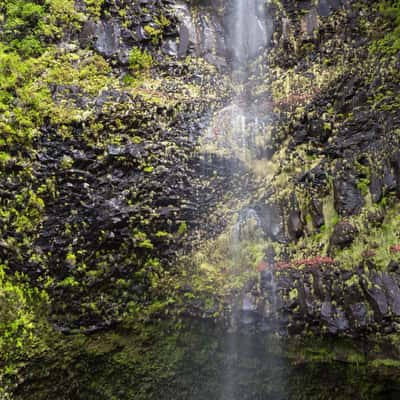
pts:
[309, 262]
[368, 253]
[395, 248]
[262, 266]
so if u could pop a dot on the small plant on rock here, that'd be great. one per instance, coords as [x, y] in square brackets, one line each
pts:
[139, 60]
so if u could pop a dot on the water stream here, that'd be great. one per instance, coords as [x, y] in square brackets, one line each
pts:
[236, 131]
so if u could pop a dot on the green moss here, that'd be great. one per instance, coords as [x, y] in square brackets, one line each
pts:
[182, 228]
[389, 362]
[363, 186]
[146, 244]
[390, 42]
[149, 169]
[293, 294]
[94, 7]
[155, 34]
[71, 258]
[354, 280]
[70, 281]
[162, 234]
[23, 326]
[139, 60]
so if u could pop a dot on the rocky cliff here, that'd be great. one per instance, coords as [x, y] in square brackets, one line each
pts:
[329, 211]
[118, 204]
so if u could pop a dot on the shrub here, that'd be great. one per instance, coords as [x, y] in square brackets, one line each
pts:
[22, 18]
[139, 60]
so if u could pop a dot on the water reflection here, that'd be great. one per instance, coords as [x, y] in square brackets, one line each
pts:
[202, 361]
[253, 368]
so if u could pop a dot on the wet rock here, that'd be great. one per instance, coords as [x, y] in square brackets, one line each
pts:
[309, 24]
[375, 187]
[340, 321]
[337, 300]
[272, 221]
[286, 28]
[316, 177]
[326, 311]
[316, 211]
[374, 289]
[87, 34]
[395, 162]
[212, 43]
[201, 33]
[248, 226]
[184, 40]
[388, 178]
[393, 293]
[347, 197]
[187, 29]
[295, 225]
[108, 36]
[248, 310]
[359, 315]
[248, 303]
[270, 254]
[324, 9]
[393, 266]
[170, 48]
[376, 218]
[343, 235]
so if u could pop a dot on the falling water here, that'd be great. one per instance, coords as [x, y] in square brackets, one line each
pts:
[247, 30]
[247, 37]
[235, 131]
[236, 127]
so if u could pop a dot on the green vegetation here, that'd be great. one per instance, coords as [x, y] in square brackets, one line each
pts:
[390, 43]
[59, 95]
[139, 60]
[94, 7]
[83, 159]
[23, 325]
[154, 33]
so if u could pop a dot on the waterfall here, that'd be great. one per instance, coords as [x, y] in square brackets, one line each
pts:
[239, 126]
[236, 128]
[247, 37]
[247, 30]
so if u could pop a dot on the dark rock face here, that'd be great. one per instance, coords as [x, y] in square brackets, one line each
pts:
[295, 225]
[341, 153]
[201, 31]
[145, 25]
[272, 221]
[376, 187]
[108, 40]
[128, 217]
[126, 190]
[348, 199]
[317, 214]
[325, 299]
[127, 186]
[343, 235]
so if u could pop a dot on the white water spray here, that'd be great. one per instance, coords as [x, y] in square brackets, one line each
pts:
[235, 132]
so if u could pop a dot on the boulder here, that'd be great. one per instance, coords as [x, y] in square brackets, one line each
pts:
[272, 221]
[108, 36]
[295, 225]
[347, 196]
[375, 187]
[343, 235]
[316, 211]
